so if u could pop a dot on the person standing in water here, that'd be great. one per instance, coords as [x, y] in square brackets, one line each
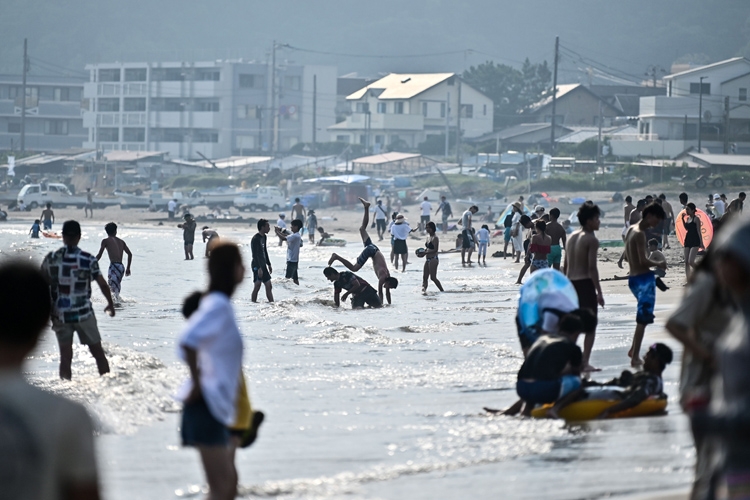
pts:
[210, 238]
[431, 249]
[89, 207]
[293, 244]
[668, 221]
[400, 230]
[188, 235]
[381, 219]
[70, 272]
[115, 248]
[211, 347]
[312, 225]
[424, 218]
[483, 238]
[298, 211]
[48, 217]
[540, 246]
[581, 269]
[261, 264]
[35, 228]
[444, 207]
[629, 207]
[468, 239]
[693, 241]
[559, 238]
[642, 281]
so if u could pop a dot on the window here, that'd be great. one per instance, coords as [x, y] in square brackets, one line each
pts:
[382, 108]
[14, 128]
[212, 106]
[743, 94]
[135, 75]
[442, 110]
[695, 88]
[342, 138]
[206, 75]
[363, 107]
[252, 81]
[293, 82]
[133, 134]
[205, 137]
[424, 109]
[245, 142]
[134, 104]
[362, 139]
[467, 111]
[56, 127]
[109, 134]
[167, 74]
[109, 75]
[14, 92]
[379, 139]
[61, 94]
[248, 111]
[398, 108]
[484, 110]
[109, 104]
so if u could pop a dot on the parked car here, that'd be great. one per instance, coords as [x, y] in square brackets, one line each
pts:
[37, 195]
[261, 198]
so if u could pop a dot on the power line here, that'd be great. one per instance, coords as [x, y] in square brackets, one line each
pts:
[375, 56]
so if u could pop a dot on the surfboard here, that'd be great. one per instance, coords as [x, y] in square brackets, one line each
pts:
[707, 227]
[47, 234]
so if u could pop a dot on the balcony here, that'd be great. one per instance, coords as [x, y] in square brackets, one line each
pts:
[182, 119]
[678, 107]
[358, 121]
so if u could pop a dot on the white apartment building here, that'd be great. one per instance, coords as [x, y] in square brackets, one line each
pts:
[411, 107]
[216, 109]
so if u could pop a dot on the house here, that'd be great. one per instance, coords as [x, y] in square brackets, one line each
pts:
[576, 105]
[718, 163]
[386, 164]
[525, 136]
[402, 110]
[215, 109]
[626, 98]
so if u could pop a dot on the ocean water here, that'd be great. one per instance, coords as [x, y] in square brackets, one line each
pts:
[359, 404]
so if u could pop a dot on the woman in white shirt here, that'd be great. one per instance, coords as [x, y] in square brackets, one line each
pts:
[211, 346]
[400, 231]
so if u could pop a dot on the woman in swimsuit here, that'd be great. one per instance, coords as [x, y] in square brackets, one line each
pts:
[431, 257]
[693, 240]
[540, 246]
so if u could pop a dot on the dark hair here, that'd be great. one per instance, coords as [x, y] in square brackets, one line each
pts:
[525, 219]
[71, 228]
[474, 207]
[683, 198]
[691, 206]
[653, 242]
[222, 265]
[570, 323]
[191, 304]
[588, 318]
[297, 223]
[262, 223]
[662, 196]
[204, 228]
[484, 226]
[588, 211]
[641, 203]
[329, 272]
[24, 303]
[391, 282]
[49, 205]
[663, 353]
[742, 194]
[320, 228]
[36, 221]
[296, 200]
[111, 228]
[654, 209]
[629, 199]
[433, 226]
[555, 213]
[541, 225]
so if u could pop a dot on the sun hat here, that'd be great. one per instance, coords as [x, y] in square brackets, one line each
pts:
[400, 219]
[518, 205]
[538, 208]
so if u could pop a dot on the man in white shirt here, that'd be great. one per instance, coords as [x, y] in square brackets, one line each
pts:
[719, 206]
[171, 208]
[293, 244]
[381, 216]
[425, 218]
[48, 441]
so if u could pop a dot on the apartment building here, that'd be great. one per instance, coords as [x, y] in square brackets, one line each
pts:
[215, 109]
[53, 112]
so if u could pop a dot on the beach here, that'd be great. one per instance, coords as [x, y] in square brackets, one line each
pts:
[359, 404]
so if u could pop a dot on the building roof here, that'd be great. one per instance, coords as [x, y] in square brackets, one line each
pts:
[385, 158]
[128, 156]
[708, 66]
[721, 159]
[629, 104]
[561, 91]
[743, 75]
[348, 85]
[402, 86]
[231, 162]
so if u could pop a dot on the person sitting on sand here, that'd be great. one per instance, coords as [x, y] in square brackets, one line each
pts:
[361, 291]
[379, 265]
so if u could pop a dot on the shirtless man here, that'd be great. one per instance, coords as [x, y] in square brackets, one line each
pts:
[642, 281]
[626, 214]
[89, 207]
[47, 217]
[735, 206]
[115, 248]
[635, 217]
[580, 268]
[668, 220]
[379, 265]
[298, 211]
[559, 238]
[210, 238]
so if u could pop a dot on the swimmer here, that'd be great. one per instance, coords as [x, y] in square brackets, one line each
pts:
[361, 291]
[115, 248]
[379, 265]
[432, 247]
[323, 235]
[34, 231]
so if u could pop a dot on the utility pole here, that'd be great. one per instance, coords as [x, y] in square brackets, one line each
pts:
[554, 96]
[726, 125]
[259, 116]
[274, 109]
[700, 112]
[315, 112]
[599, 140]
[447, 124]
[23, 96]
[458, 130]
[652, 72]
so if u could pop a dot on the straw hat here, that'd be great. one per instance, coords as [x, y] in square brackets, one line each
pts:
[400, 219]
[518, 205]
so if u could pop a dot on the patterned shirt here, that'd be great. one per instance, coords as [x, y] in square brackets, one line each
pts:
[70, 274]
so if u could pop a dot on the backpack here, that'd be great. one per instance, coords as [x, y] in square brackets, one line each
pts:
[508, 222]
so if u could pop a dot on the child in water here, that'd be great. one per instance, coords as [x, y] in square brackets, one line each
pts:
[483, 237]
[35, 228]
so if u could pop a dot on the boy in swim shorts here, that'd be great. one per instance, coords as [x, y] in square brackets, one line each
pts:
[642, 281]
[559, 238]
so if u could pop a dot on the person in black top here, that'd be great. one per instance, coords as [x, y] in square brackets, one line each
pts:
[551, 371]
[361, 291]
[261, 264]
[188, 235]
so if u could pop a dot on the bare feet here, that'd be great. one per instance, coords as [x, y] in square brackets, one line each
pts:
[333, 258]
[365, 203]
[552, 413]
[589, 369]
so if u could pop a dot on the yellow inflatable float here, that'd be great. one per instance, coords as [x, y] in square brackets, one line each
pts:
[591, 408]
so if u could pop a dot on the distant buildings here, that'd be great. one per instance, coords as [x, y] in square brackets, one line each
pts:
[217, 109]
[53, 112]
[576, 105]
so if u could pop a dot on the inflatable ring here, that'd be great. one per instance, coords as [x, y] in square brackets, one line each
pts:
[591, 408]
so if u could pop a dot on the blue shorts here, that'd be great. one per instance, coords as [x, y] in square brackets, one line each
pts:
[506, 235]
[257, 277]
[643, 287]
[541, 392]
[368, 252]
[200, 428]
[47, 224]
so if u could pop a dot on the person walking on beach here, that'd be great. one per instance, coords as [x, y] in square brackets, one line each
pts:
[642, 281]
[210, 238]
[48, 217]
[312, 225]
[559, 238]
[48, 440]
[540, 246]
[70, 272]
[360, 290]
[516, 230]
[171, 208]
[381, 219]
[445, 208]
[211, 347]
[426, 207]
[693, 241]
[483, 240]
[668, 221]
[115, 248]
[261, 264]
[580, 267]
[293, 244]
[188, 235]
[89, 207]
[468, 240]
[379, 265]
[430, 254]
[298, 211]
